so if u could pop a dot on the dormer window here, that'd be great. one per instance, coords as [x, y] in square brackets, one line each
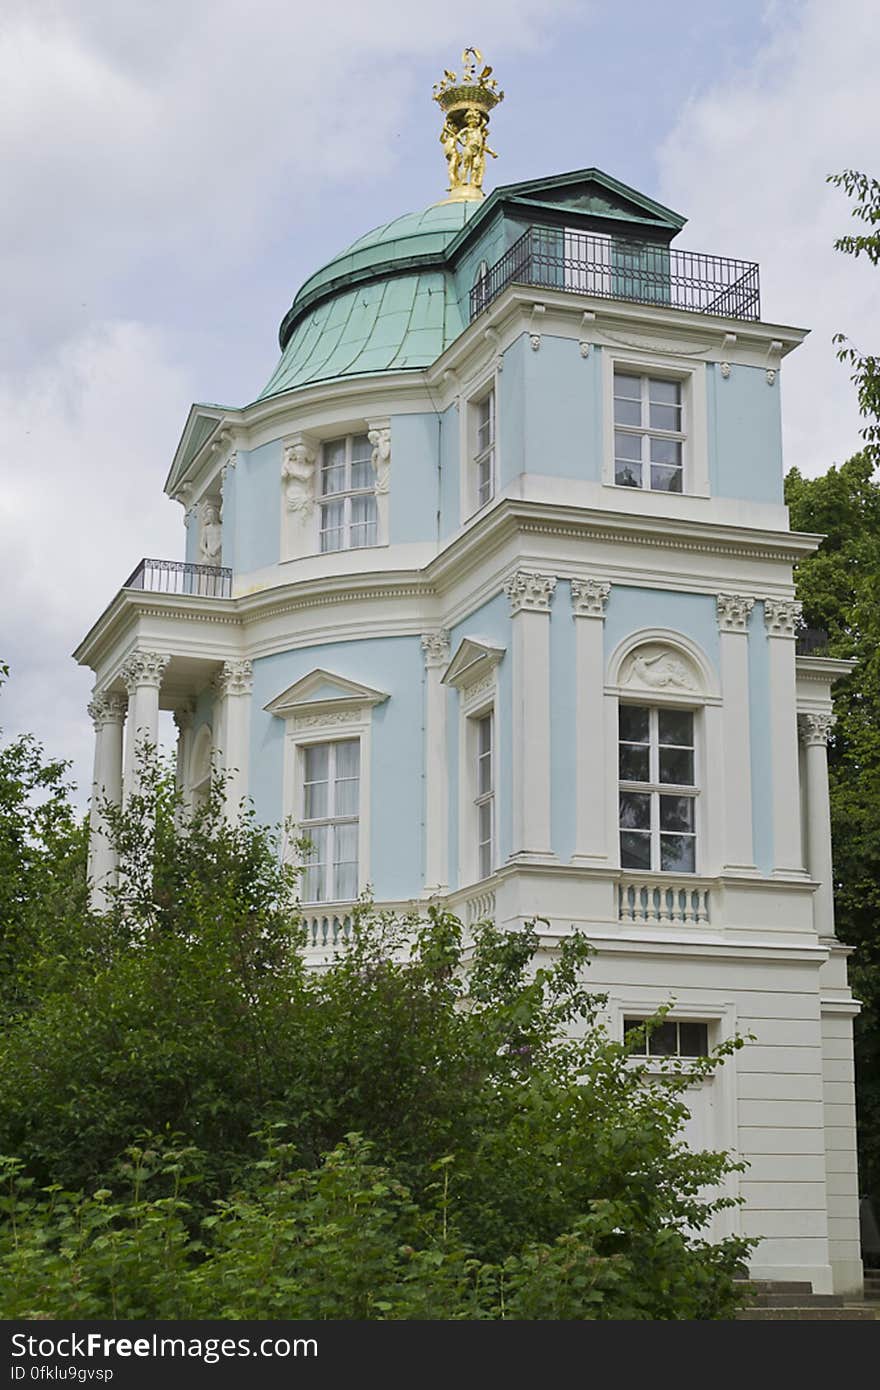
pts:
[648, 432]
[347, 498]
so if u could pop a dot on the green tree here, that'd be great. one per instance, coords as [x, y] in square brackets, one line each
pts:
[865, 365]
[839, 587]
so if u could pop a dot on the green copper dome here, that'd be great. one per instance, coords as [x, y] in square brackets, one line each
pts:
[385, 303]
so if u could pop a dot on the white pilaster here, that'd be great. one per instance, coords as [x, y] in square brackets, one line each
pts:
[530, 597]
[588, 600]
[781, 620]
[142, 674]
[435, 646]
[815, 731]
[108, 717]
[733, 618]
[234, 684]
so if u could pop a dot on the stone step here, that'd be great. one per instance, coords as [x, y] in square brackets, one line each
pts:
[800, 1286]
[850, 1313]
[806, 1300]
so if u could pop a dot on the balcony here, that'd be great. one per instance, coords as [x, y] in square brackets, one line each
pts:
[642, 272]
[176, 577]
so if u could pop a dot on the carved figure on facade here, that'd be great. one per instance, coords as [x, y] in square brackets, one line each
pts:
[654, 668]
[380, 438]
[531, 593]
[297, 472]
[466, 103]
[210, 535]
[589, 597]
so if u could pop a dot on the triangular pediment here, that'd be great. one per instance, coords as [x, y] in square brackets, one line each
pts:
[323, 692]
[474, 658]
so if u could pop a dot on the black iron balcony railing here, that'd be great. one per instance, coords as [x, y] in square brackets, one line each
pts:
[812, 641]
[175, 577]
[607, 268]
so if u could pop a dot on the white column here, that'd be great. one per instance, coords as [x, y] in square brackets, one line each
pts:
[530, 597]
[815, 731]
[142, 674]
[108, 717]
[234, 684]
[781, 619]
[588, 600]
[733, 619]
[435, 646]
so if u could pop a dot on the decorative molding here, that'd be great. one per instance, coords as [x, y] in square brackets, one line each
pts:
[329, 719]
[235, 678]
[671, 347]
[733, 612]
[144, 668]
[473, 692]
[298, 474]
[588, 318]
[379, 435]
[473, 657]
[725, 370]
[530, 593]
[183, 716]
[656, 667]
[435, 646]
[781, 616]
[105, 708]
[589, 597]
[538, 310]
[322, 693]
[815, 728]
[774, 352]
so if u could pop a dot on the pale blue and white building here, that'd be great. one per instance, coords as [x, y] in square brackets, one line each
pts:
[490, 590]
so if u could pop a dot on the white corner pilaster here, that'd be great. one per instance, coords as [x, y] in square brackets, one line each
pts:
[142, 674]
[108, 716]
[530, 597]
[435, 646]
[781, 620]
[815, 731]
[733, 623]
[588, 601]
[234, 683]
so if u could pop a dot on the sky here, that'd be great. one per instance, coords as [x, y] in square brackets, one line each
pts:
[173, 172]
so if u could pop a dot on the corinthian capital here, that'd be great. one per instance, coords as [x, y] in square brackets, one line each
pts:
[235, 678]
[733, 612]
[781, 616]
[144, 668]
[589, 597]
[530, 593]
[107, 709]
[815, 728]
[435, 646]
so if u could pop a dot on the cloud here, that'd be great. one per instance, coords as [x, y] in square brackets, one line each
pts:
[747, 161]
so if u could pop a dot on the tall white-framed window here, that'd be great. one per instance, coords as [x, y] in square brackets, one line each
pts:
[657, 788]
[649, 431]
[484, 788]
[484, 432]
[330, 820]
[347, 511]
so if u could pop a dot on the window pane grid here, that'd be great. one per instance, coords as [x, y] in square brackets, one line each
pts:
[648, 433]
[350, 520]
[484, 800]
[671, 1038]
[331, 806]
[657, 797]
[484, 445]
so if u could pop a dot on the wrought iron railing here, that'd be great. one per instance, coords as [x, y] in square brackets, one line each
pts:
[812, 641]
[606, 267]
[176, 577]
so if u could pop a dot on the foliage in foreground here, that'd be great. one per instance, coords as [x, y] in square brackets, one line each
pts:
[431, 1126]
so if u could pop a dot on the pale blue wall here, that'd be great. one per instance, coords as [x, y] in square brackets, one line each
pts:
[512, 413]
[759, 729]
[745, 434]
[414, 499]
[257, 509]
[693, 615]
[563, 729]
[550, 411]
[492, 621]
[450, 500]
[392, 664]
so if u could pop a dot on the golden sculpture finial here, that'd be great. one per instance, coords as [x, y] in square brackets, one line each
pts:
[466, 103]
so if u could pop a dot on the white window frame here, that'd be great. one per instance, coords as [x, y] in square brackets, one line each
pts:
[469, 453]
[645, 433]
[691, 377]
[346, 496]
[332, 819]
[655, 788]
[305, 730]
[485, 798]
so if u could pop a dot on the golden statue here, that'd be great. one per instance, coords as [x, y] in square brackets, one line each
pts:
[466, 103]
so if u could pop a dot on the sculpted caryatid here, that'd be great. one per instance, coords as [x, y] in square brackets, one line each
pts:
[381, 458]
[474, 149]
[449, 141]
[297, 471]
[211, 538]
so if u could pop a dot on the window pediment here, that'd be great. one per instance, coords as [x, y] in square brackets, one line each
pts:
[475, 658]
[322, 693]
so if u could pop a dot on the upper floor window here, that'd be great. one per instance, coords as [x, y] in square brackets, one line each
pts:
[484, 448]
[671, 1038]
[347, 500]
[648, 432]
[658, 789]
[484, 800]
[330, 820]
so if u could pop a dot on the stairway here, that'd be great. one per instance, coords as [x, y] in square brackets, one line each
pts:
[779, 1300]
